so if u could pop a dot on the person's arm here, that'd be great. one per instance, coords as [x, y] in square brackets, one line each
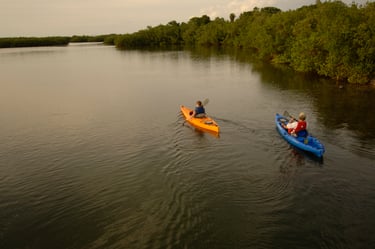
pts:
[192, 114]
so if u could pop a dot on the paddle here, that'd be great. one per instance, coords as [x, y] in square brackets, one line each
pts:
[205, 102]
[286, 113]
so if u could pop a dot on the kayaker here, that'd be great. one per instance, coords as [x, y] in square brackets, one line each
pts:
[292, 124]
[199, 111]
[300, 129]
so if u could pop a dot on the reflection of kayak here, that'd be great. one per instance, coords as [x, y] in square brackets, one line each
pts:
[309, 144]
[206, 123]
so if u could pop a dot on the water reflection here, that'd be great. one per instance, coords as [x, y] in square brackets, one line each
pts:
[94, 154]
[337, 104]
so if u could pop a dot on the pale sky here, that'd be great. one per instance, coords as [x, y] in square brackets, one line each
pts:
[96, 17]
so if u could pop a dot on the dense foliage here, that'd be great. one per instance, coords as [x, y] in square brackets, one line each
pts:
[98, 38]
[330, 38]
[33, 41]
[13, 42]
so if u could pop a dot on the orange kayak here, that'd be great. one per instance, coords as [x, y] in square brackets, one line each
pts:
[206, 123]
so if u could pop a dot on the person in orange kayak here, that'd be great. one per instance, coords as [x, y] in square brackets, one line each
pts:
[199, 111]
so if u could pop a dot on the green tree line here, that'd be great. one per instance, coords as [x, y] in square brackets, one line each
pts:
[13, 42]
[108, 39]
[331, 39]
[33, 41]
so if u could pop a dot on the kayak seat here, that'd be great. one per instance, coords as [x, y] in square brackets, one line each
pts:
[200, 115]
[302, 133]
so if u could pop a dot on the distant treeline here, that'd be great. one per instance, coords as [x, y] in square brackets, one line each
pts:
[33, 41]
[13, 42]
[107, 39]
[331, 38]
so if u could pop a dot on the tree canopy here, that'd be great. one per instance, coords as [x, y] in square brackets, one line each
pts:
[330, 38]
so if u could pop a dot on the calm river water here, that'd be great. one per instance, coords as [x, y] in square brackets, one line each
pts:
[94, 153]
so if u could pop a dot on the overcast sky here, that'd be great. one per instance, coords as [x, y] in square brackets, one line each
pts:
[95, 17]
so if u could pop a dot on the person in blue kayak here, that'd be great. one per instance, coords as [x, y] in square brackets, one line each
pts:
[290, 125]
[199, 111]
[297, 128]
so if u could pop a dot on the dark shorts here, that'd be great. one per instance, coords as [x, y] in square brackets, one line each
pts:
[200, 115]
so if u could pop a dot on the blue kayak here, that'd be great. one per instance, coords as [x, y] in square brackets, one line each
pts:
[309, 143]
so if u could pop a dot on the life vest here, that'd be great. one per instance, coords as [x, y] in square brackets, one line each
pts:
[300, 130]
[199, 110]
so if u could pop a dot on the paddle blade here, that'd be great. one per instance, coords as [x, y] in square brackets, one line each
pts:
[286, 114]
[205, 102]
